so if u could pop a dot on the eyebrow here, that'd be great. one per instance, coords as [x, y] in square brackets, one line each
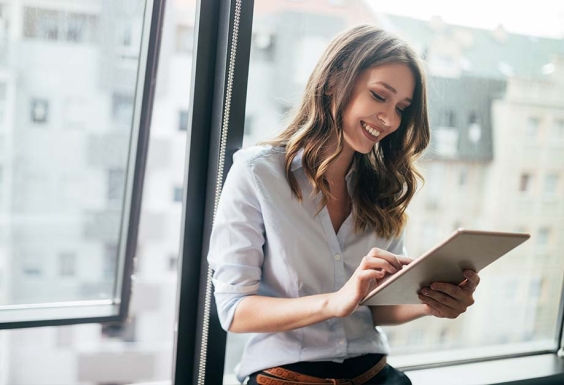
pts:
[392, 89]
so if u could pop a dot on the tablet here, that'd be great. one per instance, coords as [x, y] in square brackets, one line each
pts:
[464, 249]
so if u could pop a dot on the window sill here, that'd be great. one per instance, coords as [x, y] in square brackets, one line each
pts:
[543, 369]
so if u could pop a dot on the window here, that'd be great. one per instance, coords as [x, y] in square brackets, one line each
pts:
[463, 176]
[122, 108]
[182, 120]
[449, 119]
[177, 196]
[532, 127]
[173, 262]
[116, 183]
[57, 25]
[525, 182]
[70, 190]
[551, 184]
[557, 129]
[543, 238]
[32, 268]
[39, 111]
[67, 264]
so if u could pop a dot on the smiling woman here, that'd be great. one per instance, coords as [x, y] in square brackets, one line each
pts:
[339, 193]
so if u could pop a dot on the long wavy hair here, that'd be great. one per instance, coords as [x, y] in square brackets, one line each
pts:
[386, 177]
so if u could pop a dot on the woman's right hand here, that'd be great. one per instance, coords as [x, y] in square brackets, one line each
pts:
[376, 265]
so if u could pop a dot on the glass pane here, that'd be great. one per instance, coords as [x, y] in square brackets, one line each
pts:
[141, 349]
[66, 113]
[494, 161]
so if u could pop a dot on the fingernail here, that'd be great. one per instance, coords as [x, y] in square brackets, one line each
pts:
[426, 291]
[393, 270]
[468, 274]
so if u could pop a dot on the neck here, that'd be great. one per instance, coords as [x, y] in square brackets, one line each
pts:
[339, 168]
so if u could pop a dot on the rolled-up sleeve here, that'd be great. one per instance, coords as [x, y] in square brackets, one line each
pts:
[236, 243]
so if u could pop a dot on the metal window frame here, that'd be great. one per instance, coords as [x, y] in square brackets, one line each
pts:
[219, 80]
[113, 310]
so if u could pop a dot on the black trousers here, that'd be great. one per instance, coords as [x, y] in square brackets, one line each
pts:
[348, 369]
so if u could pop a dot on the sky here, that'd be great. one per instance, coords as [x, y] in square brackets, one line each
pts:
[537, 18]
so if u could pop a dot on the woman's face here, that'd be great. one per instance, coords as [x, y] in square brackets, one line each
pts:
[379, 96]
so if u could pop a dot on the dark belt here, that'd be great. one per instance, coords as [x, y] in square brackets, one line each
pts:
[281, 376]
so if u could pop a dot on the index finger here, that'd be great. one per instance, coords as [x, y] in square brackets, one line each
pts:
[405, 260]
[392, 259]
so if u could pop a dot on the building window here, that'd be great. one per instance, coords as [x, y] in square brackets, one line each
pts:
[526, 181]
[551, 184]
[32, 268]
[116, 184]
[543, 238]
[178, 194]
[532, 127]
[449, 118]
[67, 264]
[59, 26]
[39, 111]
[41, 23]
[557, 130]
[463, 177]
[183, 120]
[173, 262]
[122, 108]
[184, 39]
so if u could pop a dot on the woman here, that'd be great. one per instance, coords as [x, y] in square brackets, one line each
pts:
[308, 224]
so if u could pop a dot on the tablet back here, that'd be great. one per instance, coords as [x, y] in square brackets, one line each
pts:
[464, 249]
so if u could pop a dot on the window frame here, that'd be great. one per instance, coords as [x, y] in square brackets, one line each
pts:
[201, 342]
[116, 309]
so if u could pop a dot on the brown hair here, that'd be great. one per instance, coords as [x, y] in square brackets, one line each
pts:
[386, 178]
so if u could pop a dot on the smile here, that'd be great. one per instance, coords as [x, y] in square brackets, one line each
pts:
[371, 130]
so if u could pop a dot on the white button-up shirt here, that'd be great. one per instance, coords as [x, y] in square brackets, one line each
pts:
[264, 242]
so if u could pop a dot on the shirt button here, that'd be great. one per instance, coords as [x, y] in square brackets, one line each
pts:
[337, 257]
[341, 342]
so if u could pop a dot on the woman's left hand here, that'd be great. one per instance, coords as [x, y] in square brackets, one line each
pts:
[445, 300]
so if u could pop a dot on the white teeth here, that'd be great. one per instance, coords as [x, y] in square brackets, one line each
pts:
[372, 131]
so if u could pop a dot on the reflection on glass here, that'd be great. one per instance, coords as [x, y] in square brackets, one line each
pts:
[495, 133]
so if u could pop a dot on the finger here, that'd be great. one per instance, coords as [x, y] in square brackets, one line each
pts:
[378, 263]
[443, 299]
[452, 290]
[440, 310]
[405, 260]
[386, 255]
[367, 275]
[472, 280]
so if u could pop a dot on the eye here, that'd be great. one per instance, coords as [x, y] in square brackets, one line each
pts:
[377, 97]
[400, 111]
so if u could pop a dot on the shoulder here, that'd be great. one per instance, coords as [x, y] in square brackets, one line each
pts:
[261, 159]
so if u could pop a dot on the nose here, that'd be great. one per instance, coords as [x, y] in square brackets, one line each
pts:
[388, 119]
